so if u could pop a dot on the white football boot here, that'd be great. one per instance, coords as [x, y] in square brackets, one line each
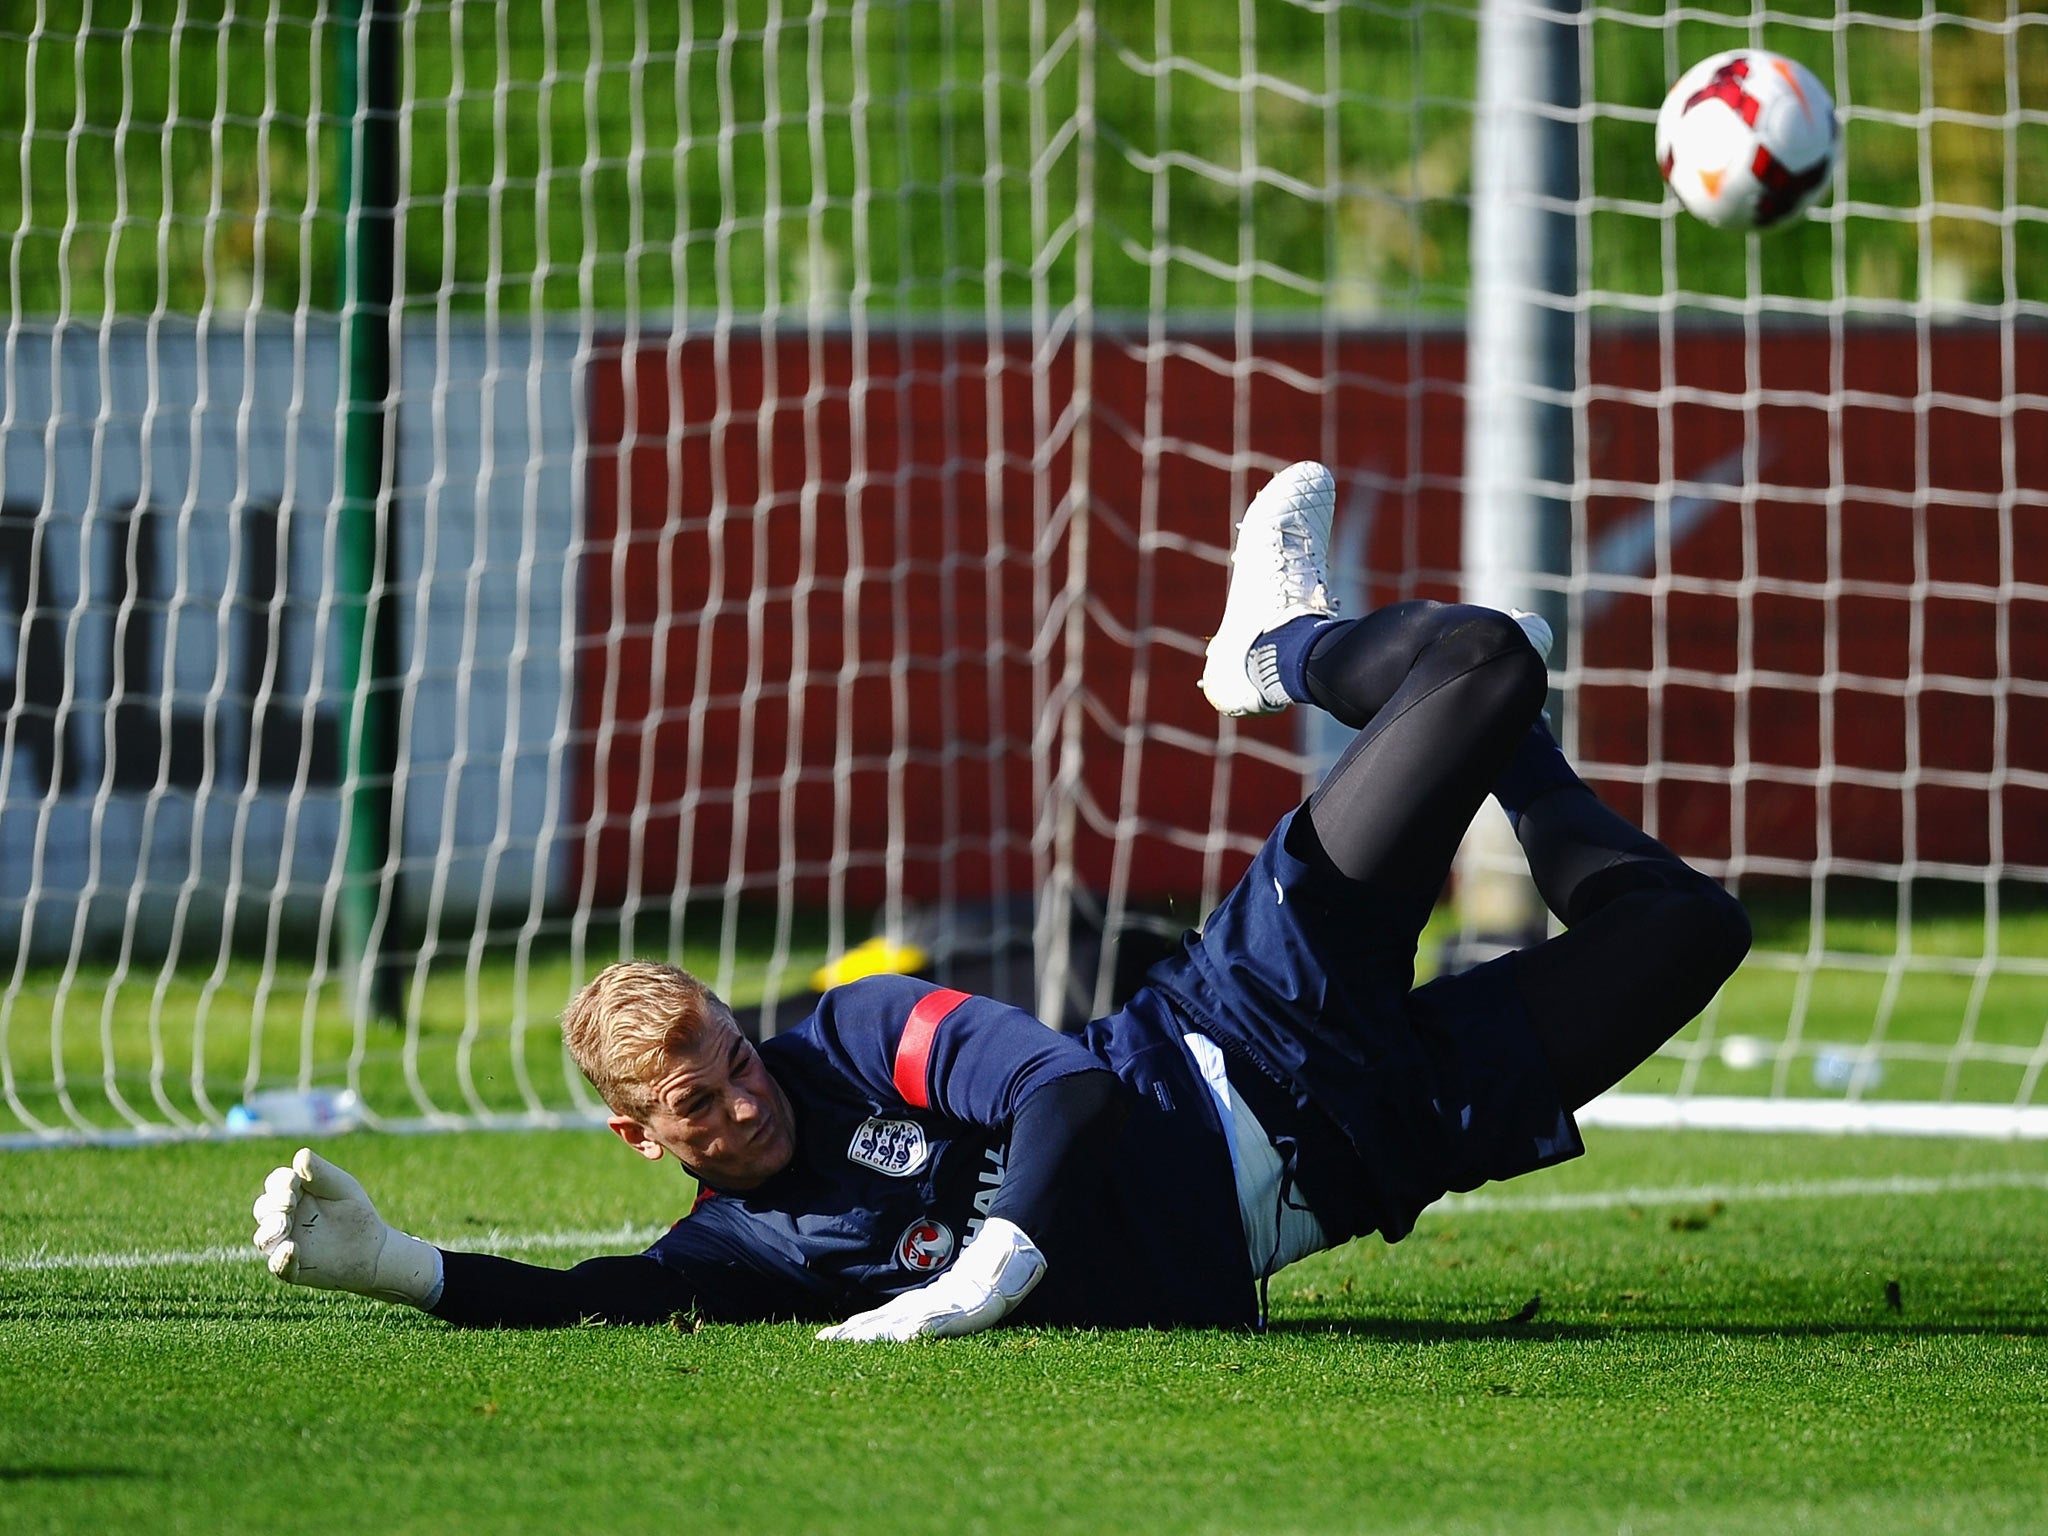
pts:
[1277, 573]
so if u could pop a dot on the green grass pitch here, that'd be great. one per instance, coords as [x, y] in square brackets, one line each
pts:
[1680, 1332]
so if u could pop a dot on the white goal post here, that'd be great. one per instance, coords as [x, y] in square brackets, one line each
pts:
[787, 528]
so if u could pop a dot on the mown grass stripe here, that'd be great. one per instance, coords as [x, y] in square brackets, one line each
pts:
[1575, 1200]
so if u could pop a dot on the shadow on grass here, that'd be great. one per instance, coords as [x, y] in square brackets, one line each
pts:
[68, 1474]
[293, 1312]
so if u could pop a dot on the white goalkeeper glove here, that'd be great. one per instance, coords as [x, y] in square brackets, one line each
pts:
[315, 1226]
[993, 1273]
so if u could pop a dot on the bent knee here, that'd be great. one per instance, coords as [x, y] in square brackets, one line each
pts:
[1738, 932]
[1477, 637]
[1720, 928]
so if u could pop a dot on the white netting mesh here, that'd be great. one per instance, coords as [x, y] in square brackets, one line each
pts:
[813, 439]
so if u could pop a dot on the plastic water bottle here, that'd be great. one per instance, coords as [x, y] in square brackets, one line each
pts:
[297, 1112]
[1846, 1071]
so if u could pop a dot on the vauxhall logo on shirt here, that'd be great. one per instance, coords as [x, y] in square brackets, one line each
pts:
[925, 1244]
[895, 1147]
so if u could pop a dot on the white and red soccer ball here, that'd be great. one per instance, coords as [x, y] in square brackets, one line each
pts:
[1747, 139]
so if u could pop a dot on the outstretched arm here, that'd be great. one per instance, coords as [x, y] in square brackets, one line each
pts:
[316, 1226]
[484, 1291]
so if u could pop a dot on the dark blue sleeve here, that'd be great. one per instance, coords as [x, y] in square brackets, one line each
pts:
[1061, 1132]
[967, 1058]
[481, 1290]
[693, 1270]
[738, 1276]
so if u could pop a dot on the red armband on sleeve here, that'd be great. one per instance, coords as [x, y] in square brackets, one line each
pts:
[914, 1050]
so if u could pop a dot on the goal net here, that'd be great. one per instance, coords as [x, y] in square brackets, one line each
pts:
[767, 510]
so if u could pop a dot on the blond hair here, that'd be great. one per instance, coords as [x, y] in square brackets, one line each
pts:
[627, 1022]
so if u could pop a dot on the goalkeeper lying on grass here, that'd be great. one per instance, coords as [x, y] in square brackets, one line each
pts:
[913, 1161]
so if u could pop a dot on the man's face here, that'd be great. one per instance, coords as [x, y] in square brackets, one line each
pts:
[717, 1109]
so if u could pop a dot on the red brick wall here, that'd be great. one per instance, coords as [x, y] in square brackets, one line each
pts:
[888, 600]
[1876, 636]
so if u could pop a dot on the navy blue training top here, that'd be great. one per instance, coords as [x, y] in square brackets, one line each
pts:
[903, 1095]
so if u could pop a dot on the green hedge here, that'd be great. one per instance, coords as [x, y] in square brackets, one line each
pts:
[903, 156]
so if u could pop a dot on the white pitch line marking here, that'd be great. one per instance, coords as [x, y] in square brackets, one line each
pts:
[615, 1238]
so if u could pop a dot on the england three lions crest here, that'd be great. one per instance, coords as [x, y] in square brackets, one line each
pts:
[895, 1147]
